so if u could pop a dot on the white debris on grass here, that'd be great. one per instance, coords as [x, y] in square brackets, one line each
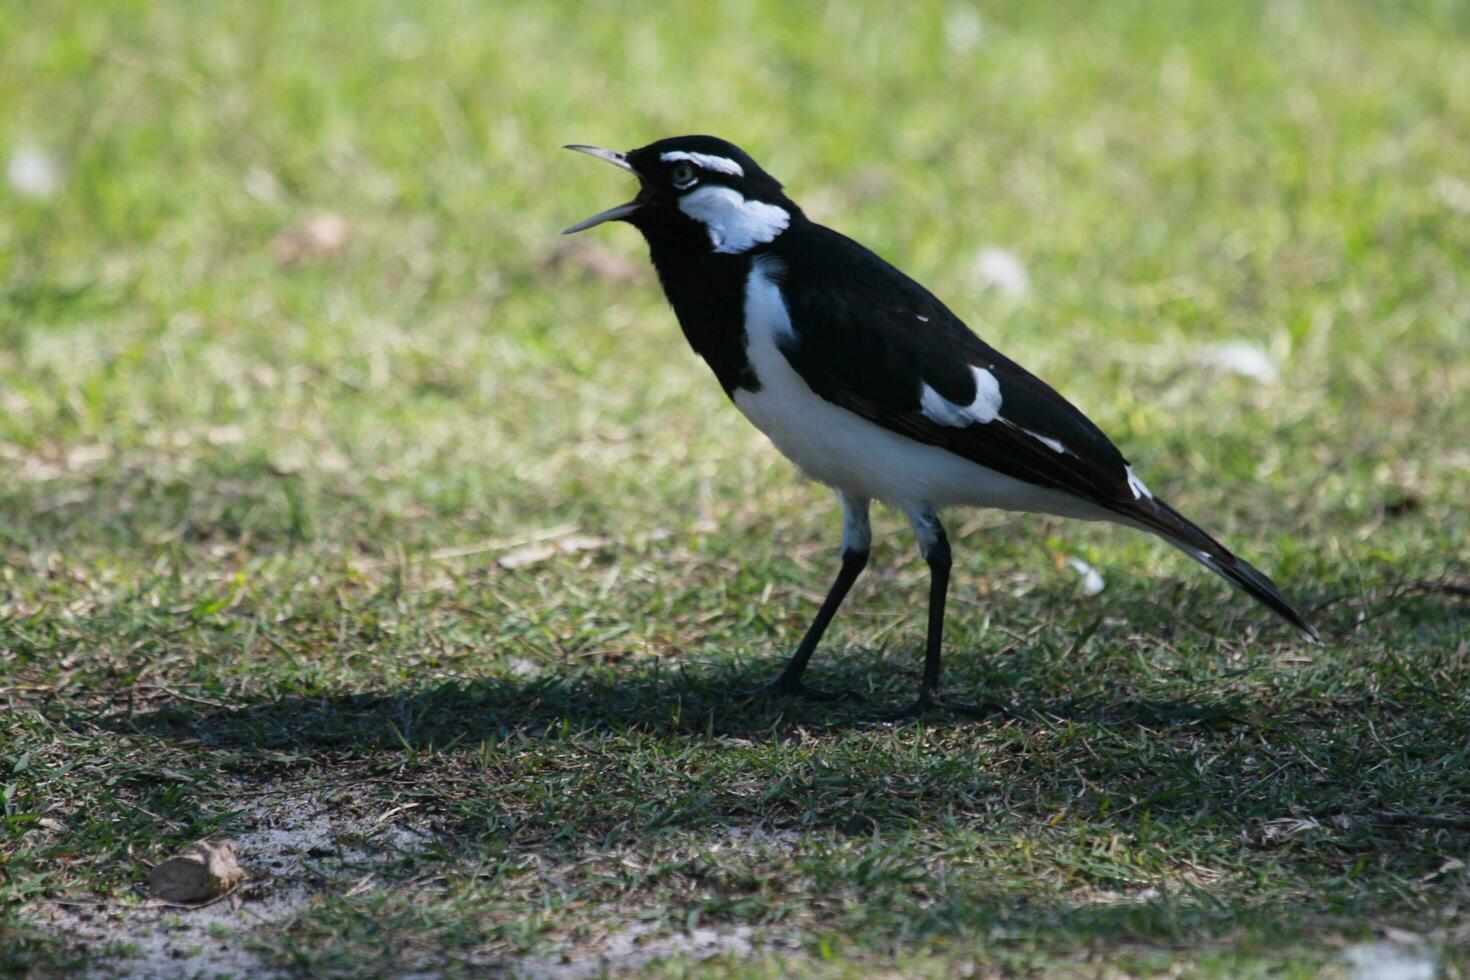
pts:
[262, 185]
[524, 667]
[1453, 193]
[317, 236]
[1000, 269]
[745, 837]
[33, 172]
[535, 553]
[1285, 828]
[1243, 357]
[963, 29]
[1092, 580]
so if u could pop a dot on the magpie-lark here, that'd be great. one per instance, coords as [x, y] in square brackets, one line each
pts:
[870, 384]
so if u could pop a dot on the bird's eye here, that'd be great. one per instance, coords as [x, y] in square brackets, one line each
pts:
[684, 174]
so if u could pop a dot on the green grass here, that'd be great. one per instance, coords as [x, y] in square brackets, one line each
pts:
[254, 512]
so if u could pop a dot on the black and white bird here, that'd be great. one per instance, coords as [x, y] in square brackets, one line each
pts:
[870, 384]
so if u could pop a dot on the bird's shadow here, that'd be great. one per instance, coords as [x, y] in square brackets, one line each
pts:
[727, 702]
[708, 700]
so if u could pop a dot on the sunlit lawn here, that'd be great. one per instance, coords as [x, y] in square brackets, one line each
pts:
[327, 472]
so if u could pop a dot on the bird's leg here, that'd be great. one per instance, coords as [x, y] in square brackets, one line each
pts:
[857, 539]
[934, 545]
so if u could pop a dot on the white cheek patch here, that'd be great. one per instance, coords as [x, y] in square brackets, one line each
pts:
[1136, 485]
[985, 407]
[708, 161]
[734, 224]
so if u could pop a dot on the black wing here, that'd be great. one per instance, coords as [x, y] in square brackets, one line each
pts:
[868, 338]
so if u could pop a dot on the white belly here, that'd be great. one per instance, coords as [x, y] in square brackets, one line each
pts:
[850, 453]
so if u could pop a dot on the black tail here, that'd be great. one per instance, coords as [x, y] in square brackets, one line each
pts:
[1179, 531]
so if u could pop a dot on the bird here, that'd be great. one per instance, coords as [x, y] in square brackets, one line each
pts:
[871, 385]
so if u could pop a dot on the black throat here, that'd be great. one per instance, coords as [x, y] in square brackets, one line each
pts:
[707, 291]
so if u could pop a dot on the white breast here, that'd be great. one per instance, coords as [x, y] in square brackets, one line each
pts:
[845, 451]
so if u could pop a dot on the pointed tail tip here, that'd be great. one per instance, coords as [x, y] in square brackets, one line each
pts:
[1256, 584]
[1158, 517]
[1304, 630]
[1259, 586]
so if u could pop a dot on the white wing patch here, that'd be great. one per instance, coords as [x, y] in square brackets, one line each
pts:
[1055, 445]
[734, 224]
[708, 161]
[1136, 485]
[985, 407]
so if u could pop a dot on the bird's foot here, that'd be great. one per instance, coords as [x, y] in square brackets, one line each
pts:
[792, 687]
[932, 702]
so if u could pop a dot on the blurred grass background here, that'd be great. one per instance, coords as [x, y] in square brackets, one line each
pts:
[283, 310]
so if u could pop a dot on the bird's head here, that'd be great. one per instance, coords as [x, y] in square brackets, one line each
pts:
[700, 191]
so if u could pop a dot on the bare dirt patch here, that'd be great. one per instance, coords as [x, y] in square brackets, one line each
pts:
[628, 950]
[294, 844]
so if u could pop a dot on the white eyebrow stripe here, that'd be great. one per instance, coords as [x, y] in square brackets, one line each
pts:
[708, 161]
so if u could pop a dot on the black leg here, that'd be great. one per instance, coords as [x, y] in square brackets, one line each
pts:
[857, 538]
[936, 553]
[934, 545]
[790, 680]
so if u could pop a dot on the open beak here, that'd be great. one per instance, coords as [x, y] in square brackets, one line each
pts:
[617, 159]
